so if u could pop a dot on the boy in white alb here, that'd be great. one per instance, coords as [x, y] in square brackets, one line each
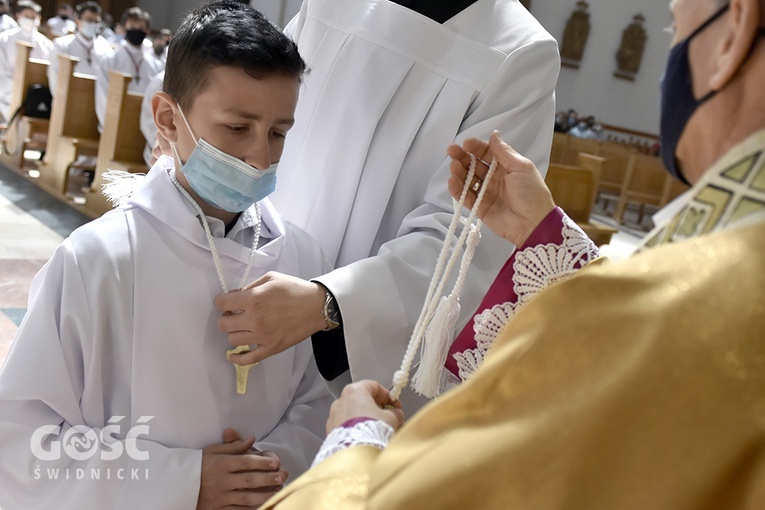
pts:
[87, 45]
[28, 19]
[117, 392]
[129, 58]
[6, 21]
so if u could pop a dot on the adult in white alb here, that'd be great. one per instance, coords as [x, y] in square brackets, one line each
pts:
[365, 168]
[6, 20]
[129, 58]
[120, 340]
[28, 19]
[87, 45]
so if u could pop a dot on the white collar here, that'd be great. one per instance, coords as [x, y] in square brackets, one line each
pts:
[132, 49]
[84, 40]
[245, 221]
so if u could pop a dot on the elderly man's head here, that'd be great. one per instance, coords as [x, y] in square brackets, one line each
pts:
[719, 45]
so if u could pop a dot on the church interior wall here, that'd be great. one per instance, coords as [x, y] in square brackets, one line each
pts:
[592, 89]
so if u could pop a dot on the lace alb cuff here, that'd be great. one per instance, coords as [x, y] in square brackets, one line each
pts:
[370, 432]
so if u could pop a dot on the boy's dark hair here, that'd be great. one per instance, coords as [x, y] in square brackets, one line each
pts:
[226, 33]
[88, 7]
[27, 4]
[136, 13]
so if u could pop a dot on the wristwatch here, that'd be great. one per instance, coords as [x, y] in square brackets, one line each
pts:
[331, 311]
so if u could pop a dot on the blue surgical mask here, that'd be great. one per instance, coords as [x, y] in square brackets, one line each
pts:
[89, 29]
[223, 181]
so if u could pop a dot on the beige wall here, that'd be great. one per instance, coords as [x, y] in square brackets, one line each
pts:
[592, 89]
[168, 13]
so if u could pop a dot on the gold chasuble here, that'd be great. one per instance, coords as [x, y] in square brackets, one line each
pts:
[634, 385]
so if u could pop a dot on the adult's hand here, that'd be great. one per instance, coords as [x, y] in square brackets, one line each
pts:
[274, 312]
[365, 399]
[235, 475]
[516, 199]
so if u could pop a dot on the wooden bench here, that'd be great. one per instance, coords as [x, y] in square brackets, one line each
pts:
[121, 145]
[573, 190]
[595, 165]
[559, 147]
[73, 126]
[33, 131]
[618, 161]
[577, 145]
[646, 183]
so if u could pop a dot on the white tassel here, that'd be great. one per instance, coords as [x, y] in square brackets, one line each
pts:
[119, 185]
[429, 379]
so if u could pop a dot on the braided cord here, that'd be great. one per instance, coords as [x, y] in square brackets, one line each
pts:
[211, 240]
[441, 275]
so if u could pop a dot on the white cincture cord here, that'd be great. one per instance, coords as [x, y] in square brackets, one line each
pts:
[438, 281]
[211, 240]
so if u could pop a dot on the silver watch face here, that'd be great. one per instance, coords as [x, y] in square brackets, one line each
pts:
[332, 309]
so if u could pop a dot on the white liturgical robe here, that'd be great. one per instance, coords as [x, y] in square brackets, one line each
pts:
[130, 60]
[90, 52]
[41, 49]
[364, 169]
[121, 339]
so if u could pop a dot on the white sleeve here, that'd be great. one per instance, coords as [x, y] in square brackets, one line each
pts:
[50, 457]
[380, 297]
[299, 433]
[6, 77]
[295, 25]
[375, 433]
[102, 89]
[53, 69]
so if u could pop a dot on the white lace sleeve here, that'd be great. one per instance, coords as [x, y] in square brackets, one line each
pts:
[366, 433]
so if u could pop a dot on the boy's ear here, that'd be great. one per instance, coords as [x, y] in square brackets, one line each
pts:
[163, 110]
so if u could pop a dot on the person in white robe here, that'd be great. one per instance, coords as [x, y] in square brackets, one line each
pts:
[87, 45]
[129, 58]
[120, 340]
[28, 19]
[365, 168]
[61, 24]
[6, 20]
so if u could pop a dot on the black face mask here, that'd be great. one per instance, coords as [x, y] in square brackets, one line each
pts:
[135, 37]
[678, 104]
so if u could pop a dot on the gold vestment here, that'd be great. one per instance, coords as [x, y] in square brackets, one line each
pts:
[634, 385]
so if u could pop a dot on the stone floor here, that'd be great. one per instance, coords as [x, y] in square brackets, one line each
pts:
[32, 225]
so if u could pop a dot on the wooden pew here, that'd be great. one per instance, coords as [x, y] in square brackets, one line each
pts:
[573, 190]
[121, 145]
[576, 145]
[559, 147]
[595, 165]
[618, 161]
[647, 183]
[73, 126]
[28, 71]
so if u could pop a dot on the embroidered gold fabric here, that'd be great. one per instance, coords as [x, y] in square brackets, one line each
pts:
[630, 386]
